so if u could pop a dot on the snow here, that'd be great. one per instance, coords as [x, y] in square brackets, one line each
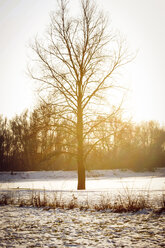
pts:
[111, 182]
[106, 180]
[31, 227]
[44, 227]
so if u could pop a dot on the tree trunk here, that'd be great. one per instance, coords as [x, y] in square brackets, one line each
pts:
[80, 155]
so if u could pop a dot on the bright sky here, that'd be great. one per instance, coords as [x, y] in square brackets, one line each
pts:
[141, 21]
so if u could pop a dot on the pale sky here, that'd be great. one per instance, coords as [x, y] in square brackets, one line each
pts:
[142, 22]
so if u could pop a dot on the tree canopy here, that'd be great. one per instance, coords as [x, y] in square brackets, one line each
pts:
[76, 63]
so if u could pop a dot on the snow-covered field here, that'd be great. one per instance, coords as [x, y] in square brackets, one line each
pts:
[31, 227]
[104, 180]
[41, 227]
[110, 182]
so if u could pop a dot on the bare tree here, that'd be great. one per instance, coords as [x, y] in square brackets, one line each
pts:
[77, 62]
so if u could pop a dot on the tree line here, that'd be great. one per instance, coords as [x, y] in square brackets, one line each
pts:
[40, 141]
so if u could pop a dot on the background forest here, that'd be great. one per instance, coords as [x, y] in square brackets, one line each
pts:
[40, 141]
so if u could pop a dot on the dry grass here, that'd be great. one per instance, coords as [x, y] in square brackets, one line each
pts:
[126, 203]
[162, 205]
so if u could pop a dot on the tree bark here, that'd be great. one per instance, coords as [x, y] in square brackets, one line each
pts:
[80, 155]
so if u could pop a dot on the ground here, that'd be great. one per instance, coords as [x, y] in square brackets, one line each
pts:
[44, 227]
[33, 227]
